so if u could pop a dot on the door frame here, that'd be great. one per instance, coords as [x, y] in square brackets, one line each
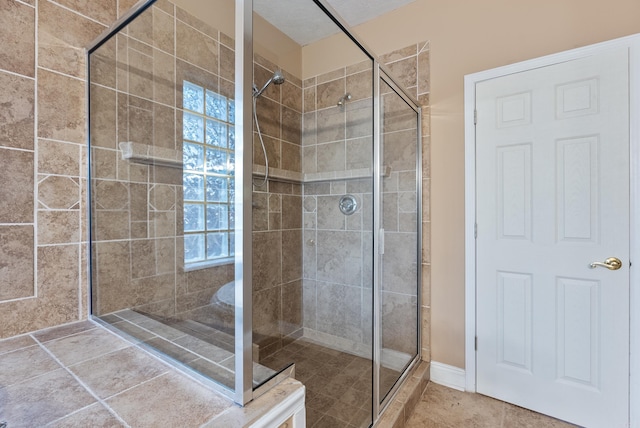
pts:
[470, 81]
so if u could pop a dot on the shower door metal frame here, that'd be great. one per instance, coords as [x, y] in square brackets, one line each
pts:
[381, 71]
[243, 234]
[243, 391]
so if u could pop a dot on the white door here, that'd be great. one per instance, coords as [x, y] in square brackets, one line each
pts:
[552, 153]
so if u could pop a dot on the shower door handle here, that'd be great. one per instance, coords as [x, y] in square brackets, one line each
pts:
[381, 241]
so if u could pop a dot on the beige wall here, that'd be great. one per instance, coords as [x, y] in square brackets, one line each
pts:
[466, 37]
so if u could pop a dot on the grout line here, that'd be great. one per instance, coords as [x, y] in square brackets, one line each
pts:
[18, 74]
[85, 386]
[75, 12]
[36, 118]
[80, 79]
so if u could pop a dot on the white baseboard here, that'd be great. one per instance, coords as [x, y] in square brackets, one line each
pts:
[444, 374]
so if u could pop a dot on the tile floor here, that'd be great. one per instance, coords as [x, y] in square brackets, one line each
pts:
[81, 372]
[82, 375]
[338, 385]
[444, 407]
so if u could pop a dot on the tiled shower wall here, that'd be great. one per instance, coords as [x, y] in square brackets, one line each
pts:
[138, 212]
[42, 146]
[337, 248]
[136, 96]
[277, 214]
[410, 66]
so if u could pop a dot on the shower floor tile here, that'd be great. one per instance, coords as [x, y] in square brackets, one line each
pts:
[338, 384]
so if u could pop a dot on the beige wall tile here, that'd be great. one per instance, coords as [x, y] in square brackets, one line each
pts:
[113, 275]
[269, 117]
[399, 54]
[266, 312]
[16, 187]
[360, 85]
[140, 74]
[163, 36]
[291, 307]
[111, 225]
[292, 260]
[267, 258]
[196, 48]
[61, 107]
[63, 37]
[359, 118]
[58, 227]
[16, 271]
[58, 158]
[331, 157]
[124, 6]
[291, 157]
[103, 64]
[330, 125]
[405, 71]
[103, 11]
[400, 323]
[292, 96]
[57, 192]
[143, 258]
[103, 121]
[17, 109]
[329, 93]
[332, 75]
[58, 281]
[17, 32]
[227, 63]
[164, 80]
[291, 123]
[424, 72]
[164, 126]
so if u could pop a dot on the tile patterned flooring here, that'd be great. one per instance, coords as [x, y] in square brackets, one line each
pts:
[82, 375]
[442, 407]
[338, 385]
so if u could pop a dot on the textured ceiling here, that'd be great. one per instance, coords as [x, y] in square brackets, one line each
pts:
[305, 23]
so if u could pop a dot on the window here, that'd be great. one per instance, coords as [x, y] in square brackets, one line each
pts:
[208, 175]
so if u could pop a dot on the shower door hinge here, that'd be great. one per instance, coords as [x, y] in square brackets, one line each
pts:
[476, 343]
[475, 117]
[475, 230]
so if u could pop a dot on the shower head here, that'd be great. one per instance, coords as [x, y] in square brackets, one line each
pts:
[277, 78]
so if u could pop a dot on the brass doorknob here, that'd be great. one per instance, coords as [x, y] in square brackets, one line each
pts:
[612, 263]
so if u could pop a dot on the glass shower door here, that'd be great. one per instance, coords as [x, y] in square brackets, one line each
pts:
[399, 259]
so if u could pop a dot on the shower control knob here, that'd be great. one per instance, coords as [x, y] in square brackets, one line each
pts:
[348, 204]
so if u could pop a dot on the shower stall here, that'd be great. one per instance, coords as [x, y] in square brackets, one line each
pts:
[255, 191]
